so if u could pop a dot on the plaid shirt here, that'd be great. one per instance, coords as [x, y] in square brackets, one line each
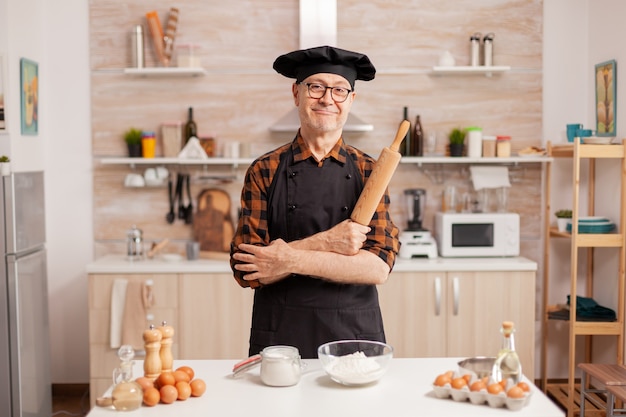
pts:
[252, 228]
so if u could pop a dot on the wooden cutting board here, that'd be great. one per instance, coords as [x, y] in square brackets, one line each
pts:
[212, 223]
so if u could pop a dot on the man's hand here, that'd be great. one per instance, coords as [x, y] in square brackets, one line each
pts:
[345, 238]
[268, 264]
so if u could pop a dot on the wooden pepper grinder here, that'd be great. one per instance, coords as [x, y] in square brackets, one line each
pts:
[152, 343]
[167, 359]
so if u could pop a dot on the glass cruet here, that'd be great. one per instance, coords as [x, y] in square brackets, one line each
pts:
[127, 395]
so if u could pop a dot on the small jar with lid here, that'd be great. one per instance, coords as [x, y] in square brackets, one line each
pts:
[474, 141]
[503, 146]
[489, 146]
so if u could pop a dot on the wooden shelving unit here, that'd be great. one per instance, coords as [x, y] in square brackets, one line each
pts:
[568, 394]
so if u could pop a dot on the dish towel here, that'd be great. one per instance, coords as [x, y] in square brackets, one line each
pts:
[118, 299]
[489, 177]
[134, 320]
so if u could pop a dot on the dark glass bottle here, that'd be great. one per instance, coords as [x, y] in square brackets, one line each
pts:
[405, 146]
[191, 128]
[417, 144]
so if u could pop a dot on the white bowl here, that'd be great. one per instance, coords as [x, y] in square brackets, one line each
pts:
[355, 362]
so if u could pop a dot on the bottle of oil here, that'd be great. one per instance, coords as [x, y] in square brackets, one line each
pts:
[127, 394]
[406, 146]
[507, 364]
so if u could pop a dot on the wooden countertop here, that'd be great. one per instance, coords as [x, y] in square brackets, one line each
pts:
[405, 390]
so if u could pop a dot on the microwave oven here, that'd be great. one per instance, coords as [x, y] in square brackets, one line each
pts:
[477, 234]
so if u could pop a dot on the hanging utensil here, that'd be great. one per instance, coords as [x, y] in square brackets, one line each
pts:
[179, 193]
[171, 215]
[189, 209]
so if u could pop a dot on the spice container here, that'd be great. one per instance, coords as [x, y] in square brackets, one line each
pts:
[488, 49]
[474, 141]
[503, 146]
[137, 47]
[489, 146]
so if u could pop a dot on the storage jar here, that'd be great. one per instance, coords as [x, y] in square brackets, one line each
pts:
[503, 146]
[474, 141]
[489, 146]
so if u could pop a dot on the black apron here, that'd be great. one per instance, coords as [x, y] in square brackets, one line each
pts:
[302, 311]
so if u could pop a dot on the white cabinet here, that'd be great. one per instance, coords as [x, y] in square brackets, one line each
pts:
[459, 314]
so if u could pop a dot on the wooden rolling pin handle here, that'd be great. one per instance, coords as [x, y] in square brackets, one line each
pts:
[404, 127]
[379, 179]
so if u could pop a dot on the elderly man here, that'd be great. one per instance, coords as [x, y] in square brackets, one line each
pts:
[314, 271]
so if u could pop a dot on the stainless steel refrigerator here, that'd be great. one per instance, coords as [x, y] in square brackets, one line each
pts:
[25, 386]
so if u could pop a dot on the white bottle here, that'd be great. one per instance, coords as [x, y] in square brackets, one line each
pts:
[474, 142]
[475, 49]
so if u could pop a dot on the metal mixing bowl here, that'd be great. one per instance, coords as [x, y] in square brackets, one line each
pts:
[480, 365]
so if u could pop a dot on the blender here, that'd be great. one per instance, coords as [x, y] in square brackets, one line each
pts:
[416, 242]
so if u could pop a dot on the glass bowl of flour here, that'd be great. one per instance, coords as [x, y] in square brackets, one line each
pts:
[355, 362]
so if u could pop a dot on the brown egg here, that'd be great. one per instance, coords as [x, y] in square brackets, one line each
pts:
[166, 378]
[524, 386]
[458, 383]
[181, 376]
[144, 382]
[184, 390]
[169, 394]
[495, 388]
[442, 380]
[478, 385]
[197, 387]
[467, 377]
[151, 396]
[188, 370]
[515, 392]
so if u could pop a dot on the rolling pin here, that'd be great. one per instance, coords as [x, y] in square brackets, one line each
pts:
[379, 178]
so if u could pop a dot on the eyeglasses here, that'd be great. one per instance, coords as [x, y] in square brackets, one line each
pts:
[339, 94]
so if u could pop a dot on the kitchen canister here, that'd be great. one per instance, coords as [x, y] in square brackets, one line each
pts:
[489, 146]
[474, 141]
[148, 144]
[488, 49]
[281, 366]
[172, 134]
[134, 239]
[503, 146]
[137, 47]
[475, 49]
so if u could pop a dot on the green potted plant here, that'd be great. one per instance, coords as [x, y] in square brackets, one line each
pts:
[457, 142]
[563, 216]
[5, 165]
[132, 137]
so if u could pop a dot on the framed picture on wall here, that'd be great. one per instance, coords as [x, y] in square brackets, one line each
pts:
[3, 120]
[29, 87]
[606, 103]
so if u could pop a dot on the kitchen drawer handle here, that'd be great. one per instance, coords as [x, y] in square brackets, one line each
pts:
[455, 291]
[437, 296]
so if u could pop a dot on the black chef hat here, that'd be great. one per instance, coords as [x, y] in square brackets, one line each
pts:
[306, 62]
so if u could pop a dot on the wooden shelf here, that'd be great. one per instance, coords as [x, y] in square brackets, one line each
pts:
[165, 72]
[568, 395]
[559, 393]
[469, 70]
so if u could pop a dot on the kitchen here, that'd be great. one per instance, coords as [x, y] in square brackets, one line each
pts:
[95, 232]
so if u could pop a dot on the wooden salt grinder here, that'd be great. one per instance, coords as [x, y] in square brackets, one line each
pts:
[167, 359]
[152, 342]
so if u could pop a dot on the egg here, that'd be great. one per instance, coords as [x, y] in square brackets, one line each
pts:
[442, 380]
[197, 387]
[524, 386]
[515, 392]
[458, 383]
[467, 377]
[169, 394]
[151, 396]
[478, 385]
[144, 382]
[181, 376]
[188, 370]
[166, 378]
[495, 388]
[184, 390]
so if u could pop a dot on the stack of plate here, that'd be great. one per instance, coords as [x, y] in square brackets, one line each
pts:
[593, 225]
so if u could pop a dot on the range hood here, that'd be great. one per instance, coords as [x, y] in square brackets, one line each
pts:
[318, 26]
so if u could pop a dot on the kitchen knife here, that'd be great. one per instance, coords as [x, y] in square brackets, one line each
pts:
[379, 179]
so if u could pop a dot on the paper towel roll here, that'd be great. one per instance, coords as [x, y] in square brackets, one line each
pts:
[489, 177]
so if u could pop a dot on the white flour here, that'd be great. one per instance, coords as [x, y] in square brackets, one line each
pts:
[355, 368]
